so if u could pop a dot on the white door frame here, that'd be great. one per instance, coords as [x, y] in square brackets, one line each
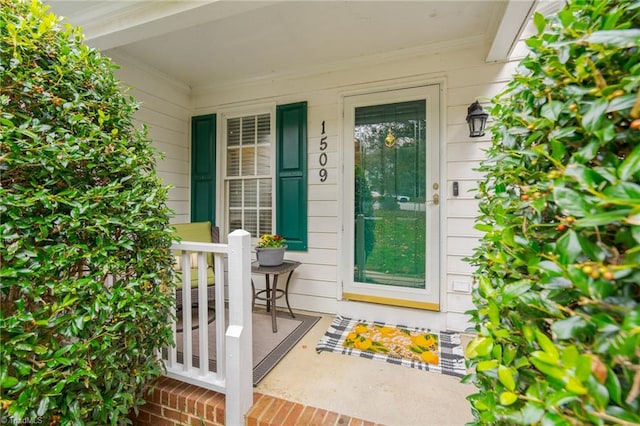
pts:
[428, 298]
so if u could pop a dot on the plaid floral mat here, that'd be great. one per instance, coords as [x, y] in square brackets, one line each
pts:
[421, 348]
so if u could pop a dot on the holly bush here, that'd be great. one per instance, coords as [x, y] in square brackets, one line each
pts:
[85, 277]
[558, 269]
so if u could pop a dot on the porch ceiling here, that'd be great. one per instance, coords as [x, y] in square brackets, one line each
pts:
[212, 43]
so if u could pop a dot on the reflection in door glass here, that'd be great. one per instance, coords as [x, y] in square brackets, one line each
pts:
[390, 170]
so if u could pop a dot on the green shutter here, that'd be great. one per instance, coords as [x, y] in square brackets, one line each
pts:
[203, 168]
[291, 174]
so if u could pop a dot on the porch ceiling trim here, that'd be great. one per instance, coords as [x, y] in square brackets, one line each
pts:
[130, 22]
[511, 25]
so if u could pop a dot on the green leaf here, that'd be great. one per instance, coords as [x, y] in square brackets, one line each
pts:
[623, 192]
[617, 38]
[595, 115]
[613, 386]
[552, 110]
[532, 412]
[487, 365]
[8, 382]
[559, 398]
[508, 398]
[568, 247]
[545, 358]
[574, 385]
[571, 202]
[480, 346]
[539, 21]
[631, 165]
[568, 327]
[601, 219]
[515, 289]
[548, 369]
[505, 375]
[569, 357]
[622, 103]
[598, 393]
[583, 367]
[547, 345]
[585, 176]
[43, 406]
[563, 133]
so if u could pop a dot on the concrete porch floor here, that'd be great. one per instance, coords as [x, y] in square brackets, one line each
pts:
[371, 390]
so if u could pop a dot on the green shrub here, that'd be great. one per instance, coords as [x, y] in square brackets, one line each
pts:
[85, 280]
[558, 269]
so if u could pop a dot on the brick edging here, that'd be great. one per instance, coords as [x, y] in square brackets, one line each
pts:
[174, 403]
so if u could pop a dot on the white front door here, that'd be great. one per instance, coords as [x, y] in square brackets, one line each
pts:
[391, 237]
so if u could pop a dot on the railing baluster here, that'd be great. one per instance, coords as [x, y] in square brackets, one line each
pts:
[203, 315]
[234, 369]
[221, 324]
[187, 340]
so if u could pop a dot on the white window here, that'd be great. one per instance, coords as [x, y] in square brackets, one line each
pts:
[248, 180]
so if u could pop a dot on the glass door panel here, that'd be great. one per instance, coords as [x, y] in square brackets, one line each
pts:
[389, 201]
[391, 210]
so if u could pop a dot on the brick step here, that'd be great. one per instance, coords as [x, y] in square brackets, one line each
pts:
[175, 403]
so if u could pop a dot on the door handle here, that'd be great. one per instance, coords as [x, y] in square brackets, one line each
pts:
[436, 199]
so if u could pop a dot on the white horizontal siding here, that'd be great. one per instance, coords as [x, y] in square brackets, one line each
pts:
[165, 109]
[466, 77]
[323, 208]
[456, 265]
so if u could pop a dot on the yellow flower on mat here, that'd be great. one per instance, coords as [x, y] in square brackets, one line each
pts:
[386, 331]
[361, 328]
[351, 337]
[430, 357]
[363, 344]
[424, 340]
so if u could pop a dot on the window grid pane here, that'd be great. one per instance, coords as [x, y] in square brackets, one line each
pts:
[265, 222]
[233, 162]
[233, 132]
[248, 161]
[264, 129]
[235, 194]
[250, 193]
[249, 131]
[250, 222]
[249, 156]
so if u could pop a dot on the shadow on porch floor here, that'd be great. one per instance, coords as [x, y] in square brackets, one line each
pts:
[307, 388]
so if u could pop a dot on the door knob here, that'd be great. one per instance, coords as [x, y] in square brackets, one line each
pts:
[436, 199]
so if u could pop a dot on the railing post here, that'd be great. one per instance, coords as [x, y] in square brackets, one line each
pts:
[239, 366]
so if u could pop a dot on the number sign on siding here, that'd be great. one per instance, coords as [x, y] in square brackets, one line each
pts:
[323, 155]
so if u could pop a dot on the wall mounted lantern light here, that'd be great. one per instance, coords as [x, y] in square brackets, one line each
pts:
[476, 119]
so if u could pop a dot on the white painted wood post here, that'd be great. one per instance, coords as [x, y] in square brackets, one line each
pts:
[239, 371]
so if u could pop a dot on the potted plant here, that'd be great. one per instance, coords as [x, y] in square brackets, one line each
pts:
[270, 250]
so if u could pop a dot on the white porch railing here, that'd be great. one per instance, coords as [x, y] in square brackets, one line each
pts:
[234, 363]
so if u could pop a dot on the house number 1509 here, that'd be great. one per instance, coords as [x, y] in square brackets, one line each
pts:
[323, 155]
